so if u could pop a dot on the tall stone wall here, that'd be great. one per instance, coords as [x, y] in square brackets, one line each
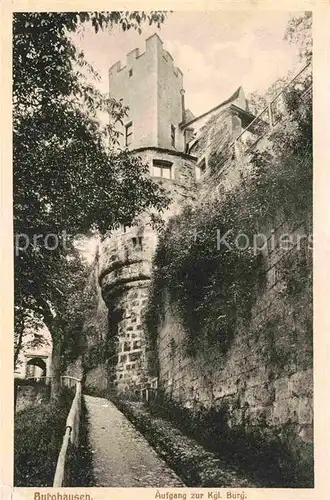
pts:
[265, 378]
[125, 269]
[267, 374]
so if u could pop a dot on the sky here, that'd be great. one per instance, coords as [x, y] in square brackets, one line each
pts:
[217, 51]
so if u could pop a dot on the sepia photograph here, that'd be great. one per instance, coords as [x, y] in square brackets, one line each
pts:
[163, 250]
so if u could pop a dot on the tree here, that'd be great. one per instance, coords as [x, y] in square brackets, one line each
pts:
[299, 32]
[257, 102]
[69, 176]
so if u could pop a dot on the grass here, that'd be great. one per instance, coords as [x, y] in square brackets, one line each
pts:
[38, 438]
[81, 466]
[257, 452]
[196, 466]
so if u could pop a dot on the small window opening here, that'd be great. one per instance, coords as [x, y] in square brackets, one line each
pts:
[200, 169]
[128, 134]
[137, 243]
[130, 72]
[173, 136]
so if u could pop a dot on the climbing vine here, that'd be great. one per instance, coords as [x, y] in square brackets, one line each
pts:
[212, 284]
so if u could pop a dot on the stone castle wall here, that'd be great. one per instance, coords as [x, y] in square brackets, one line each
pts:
[125, 266]
[266, 377]
[268, 372]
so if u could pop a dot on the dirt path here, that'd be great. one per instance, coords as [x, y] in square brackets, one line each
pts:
[121, 455]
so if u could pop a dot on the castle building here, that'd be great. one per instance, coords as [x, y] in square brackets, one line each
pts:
[167, 136]
[152, 87]
[265, 377]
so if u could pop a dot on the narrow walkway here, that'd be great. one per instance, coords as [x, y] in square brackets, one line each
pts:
[121, 455]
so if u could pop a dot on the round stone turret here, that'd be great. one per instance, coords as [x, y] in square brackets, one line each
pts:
[125, 267]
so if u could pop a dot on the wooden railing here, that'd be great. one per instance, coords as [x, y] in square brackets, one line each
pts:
[71, 434]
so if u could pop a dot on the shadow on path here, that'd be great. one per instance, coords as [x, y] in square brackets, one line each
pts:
[121, 455]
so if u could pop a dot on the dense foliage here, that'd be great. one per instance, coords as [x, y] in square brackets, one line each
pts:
[299, 32]
[69, 176]
[38, 438]
[210, 285]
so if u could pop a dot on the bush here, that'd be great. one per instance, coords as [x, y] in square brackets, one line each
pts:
[38, 436]
[80, 460]
[264, 454]
[211, 286]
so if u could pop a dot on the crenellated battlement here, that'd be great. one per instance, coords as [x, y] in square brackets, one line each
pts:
[150, 44]
[150, 85]
[169, 58]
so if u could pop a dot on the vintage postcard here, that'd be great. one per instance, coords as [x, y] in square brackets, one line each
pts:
[165, 250]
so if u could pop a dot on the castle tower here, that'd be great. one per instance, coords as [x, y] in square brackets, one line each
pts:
[152, 87]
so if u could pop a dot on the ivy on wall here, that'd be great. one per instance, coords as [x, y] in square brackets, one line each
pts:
[209, 283]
